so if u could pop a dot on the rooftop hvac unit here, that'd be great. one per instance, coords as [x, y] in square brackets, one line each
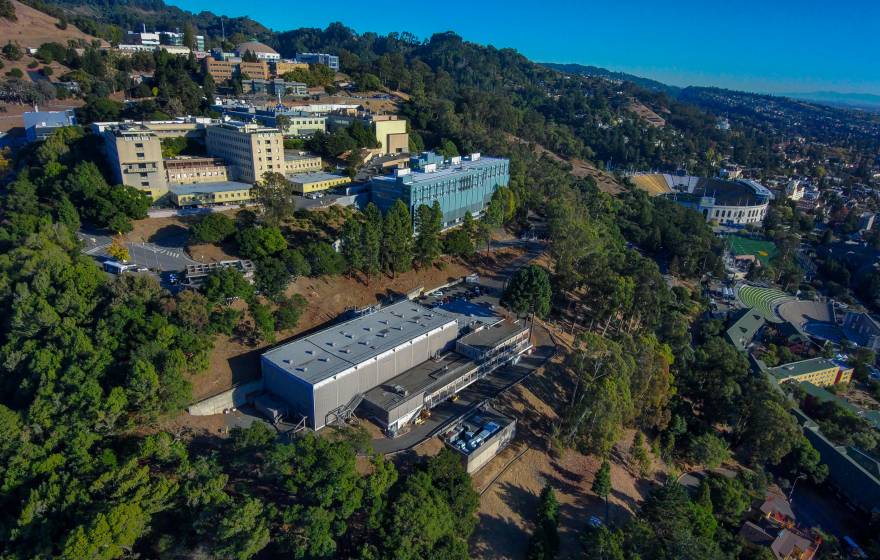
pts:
[430, 168]
[401, 171]
[400, 390]
[455, 160]
[475, 156]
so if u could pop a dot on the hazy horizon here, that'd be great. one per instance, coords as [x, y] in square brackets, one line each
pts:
[789, 46]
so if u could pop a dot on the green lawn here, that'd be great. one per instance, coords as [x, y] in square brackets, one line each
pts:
[764, 250]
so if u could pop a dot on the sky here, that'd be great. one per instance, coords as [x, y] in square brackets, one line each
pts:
[773, 46]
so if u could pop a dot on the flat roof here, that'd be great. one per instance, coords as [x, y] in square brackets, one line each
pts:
[444, 171]
[335, 349]
[293, 156]
[419, 379]
[475, 429]
[802, 367]
[203, 188]
[491, 336]
[743, 330]
[315, 177]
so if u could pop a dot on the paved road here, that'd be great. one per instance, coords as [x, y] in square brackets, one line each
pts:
[168, 257]
[487, 388]
[498, 380]
[171, 212]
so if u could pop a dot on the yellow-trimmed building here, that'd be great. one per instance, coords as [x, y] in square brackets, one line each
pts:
[210, 194]
[282, 67]
[821, 372]
[305, 183]
[301, 162]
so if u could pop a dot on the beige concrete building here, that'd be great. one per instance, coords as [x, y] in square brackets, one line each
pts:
[187, 170]
[256, 70]
[224, 70]
[281, 67]
[301, 162]
[220, 70]
[305, 183]
[135, 154]
[250, 150]
[390, 130]
[210, 194]
[391, 134]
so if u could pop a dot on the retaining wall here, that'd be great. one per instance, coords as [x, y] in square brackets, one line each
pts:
[233, 398]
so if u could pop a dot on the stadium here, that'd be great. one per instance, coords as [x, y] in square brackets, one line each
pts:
[738, 202]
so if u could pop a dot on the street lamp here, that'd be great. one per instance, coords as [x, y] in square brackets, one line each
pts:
[793, 484]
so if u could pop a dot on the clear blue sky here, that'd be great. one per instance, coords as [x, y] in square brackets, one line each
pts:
[766, 45]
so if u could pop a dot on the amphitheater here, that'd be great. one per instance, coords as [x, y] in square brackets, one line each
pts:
[808, 317]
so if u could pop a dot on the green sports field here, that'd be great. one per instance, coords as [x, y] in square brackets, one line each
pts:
[764, 250]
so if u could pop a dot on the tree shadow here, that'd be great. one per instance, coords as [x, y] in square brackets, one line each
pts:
[171, 236]
[498, 538]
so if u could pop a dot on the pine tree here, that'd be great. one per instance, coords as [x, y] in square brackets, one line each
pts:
[189, 36]
[602, 484]
[640, 454]
[397, 243]
[352, 245]
[430, 223]
[372, 240]
[469, 225]
[544, 544]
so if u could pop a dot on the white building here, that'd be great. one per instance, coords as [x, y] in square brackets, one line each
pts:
[260, 50]
[794, 190]
[736, 203]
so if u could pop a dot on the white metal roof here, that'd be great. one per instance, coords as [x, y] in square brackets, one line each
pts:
[331, 351]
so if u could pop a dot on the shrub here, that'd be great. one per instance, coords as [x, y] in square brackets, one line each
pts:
[213, 228]
[708, 450]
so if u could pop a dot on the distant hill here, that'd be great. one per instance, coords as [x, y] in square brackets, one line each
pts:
[33, 28]
[866, 101]
[582, 70]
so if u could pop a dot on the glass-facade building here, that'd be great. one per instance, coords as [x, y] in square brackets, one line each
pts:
[461, 185]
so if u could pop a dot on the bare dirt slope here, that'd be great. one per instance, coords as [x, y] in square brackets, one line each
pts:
[232, 361]
[511, 483]
[34, 28]
[579, 168]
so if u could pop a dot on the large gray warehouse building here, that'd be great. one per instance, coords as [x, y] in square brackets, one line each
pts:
[393, 362]
[323, 373]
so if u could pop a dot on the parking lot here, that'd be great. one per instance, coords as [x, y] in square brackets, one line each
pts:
[469, 302]
[164, 257]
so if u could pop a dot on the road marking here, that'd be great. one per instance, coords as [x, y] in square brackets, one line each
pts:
[94, 250]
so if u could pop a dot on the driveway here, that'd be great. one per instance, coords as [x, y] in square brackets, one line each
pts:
[164, 258]
[469, 398]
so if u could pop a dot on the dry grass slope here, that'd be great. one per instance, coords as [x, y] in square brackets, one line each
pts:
[34, 28]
